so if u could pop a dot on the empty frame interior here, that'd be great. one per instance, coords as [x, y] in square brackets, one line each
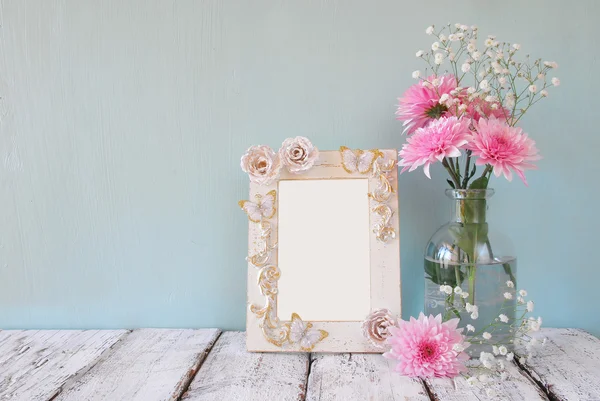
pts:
[324, 249]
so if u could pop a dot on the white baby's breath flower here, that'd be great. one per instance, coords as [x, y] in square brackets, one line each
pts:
[444, 98]
[523, 293]
[458, 348]
[484, 85]
[499, 55]
[502, 350]
[522, 360]
[530, 306]
[416, 74]
[463, 107]
[520, 300]
[551, 64]
[469, 307]
[470, 328]
[510, 284]
[476, 56]
[486, 335]
[429, 30]
[474, 27]
[490, 98]
[495, 350]
[508, 295]
[452, 37]
[471, 47]
[435, 46]
[436, 82]
[555, 81]
[532, 88]
[439, 58]
[457, 290]
[505, 71]
[544, 93]
[510, 356]
[488, 42]
[516, 46]
[420, 53]
[489, 54]
[503, 318]
[451, 56]
[465, 67]
[502, 80]
[484, 378]
[541, 76]
[460, 35]
[475, 315]
[494, 106]
[471, 90]
[443, 38]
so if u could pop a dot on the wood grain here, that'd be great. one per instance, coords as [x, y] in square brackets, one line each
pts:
[518, 387]
[34, 365]
[347, 377]
[568, 366]
[233, 374]
[149, 365]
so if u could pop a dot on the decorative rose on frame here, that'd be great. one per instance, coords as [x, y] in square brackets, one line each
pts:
[298, 154]
[262, 164]
[376, 327]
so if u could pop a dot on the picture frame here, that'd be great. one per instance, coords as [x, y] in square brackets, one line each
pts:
[323, 250]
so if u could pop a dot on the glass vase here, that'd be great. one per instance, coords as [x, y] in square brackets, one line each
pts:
[477, 268]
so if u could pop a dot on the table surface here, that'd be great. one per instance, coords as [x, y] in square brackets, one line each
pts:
[207, 364]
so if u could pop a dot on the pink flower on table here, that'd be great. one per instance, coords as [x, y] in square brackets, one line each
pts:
[441, 138]
[503, 147]
[420, 104]
[426, 347]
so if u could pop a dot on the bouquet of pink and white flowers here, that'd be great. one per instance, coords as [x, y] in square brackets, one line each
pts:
[468, 104]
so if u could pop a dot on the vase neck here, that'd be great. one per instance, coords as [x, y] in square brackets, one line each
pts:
[469, 206]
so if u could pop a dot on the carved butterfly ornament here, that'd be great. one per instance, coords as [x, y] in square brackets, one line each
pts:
[303, 334]
[263, 208]
[358, 161]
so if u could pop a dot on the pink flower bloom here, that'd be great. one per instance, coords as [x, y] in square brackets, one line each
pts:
[503, 147]
[441, 138]
[426, 347]
[420, 103]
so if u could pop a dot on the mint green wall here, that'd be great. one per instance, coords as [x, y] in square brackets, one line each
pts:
[123, 123]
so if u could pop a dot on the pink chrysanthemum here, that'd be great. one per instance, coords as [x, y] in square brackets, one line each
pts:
[426, 347]
[420, 104]
[441, 138]
[503, 147]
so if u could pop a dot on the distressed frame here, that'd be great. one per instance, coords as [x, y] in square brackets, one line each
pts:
[264, 331]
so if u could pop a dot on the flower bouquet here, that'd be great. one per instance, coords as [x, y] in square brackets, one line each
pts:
[464, 113]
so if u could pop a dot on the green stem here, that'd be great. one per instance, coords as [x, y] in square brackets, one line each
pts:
[451, 172]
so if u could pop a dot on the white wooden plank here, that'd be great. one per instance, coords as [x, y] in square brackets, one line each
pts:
[518, 387]
[233, 374]
[348, 377]
[150, 364]
[568, 366]
[34, 365]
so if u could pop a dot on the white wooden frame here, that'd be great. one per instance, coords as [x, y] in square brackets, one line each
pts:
[265, 332]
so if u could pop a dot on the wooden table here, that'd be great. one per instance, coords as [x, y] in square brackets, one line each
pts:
[202, 365]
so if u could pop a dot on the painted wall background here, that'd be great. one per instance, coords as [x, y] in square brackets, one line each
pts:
[122, 124]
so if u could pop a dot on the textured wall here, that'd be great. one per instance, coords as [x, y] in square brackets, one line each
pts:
[123, 122]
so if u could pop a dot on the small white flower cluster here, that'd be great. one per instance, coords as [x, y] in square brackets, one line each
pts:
[511, 319]
[507, 83]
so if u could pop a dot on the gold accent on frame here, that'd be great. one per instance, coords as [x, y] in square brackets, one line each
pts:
[294, 333]
[373, 162]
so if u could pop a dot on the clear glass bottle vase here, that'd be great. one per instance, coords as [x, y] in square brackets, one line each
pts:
[476, 267]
